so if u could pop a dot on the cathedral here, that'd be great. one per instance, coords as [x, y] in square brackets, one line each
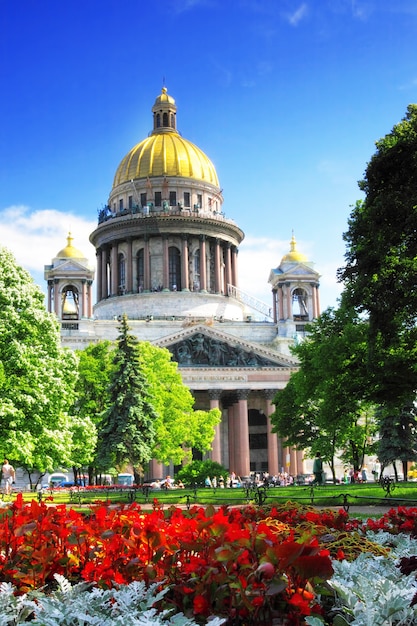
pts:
[167, 257]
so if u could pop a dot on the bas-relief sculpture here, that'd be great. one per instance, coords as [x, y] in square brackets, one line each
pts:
[200, 350]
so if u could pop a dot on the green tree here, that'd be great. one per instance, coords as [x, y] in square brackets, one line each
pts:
[381, 269]
[398, 437]
[95, 365]
[127, 430]
[324, 407]
[196, 472]
[37, 376]
[178, 427]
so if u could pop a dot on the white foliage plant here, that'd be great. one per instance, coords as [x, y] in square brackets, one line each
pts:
[371, 590]
[83, 604]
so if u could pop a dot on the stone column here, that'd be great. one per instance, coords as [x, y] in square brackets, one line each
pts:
[300, 462]
[99, 253]
[228, 263]
[214, 395]
[288, 301]
[273, 464]
[50, 290]
[146, 266]
[156, 469]
[104, 276]
[203, 262]
[217, 266]
[235, 273]
[232, 439]
[90, 298]
[114, 270]
[57, 297]
[242, 458]
[274, 306]
[129, 267]
[293, 462]
[184, 257]
[165, 263]
[83, 308]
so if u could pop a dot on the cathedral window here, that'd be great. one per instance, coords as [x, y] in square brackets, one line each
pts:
[158, 120]
[121, 204]
[174, 266]
[165, 119]
[130, 201]
[121, 273]
[143, 199]
[172, 198]
[172, 120]
[187, 199]
[158, 198]
[140, 270]
[199, 201]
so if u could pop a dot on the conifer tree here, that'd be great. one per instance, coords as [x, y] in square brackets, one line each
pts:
[127, 431]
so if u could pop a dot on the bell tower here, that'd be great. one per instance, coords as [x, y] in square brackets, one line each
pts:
[295, 291]
[70, 279]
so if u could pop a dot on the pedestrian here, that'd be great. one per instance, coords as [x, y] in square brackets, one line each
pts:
[9, 475]
[318, 470]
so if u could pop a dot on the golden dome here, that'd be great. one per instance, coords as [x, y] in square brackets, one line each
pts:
[294, 256]
[69, 252]
[165, 152]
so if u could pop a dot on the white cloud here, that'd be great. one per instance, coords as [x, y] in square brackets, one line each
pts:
[296, 17]
[36, 236]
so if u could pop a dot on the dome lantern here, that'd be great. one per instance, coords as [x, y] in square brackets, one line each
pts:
[164, 113]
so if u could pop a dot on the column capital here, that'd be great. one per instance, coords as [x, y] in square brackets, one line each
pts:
[242, 394]
[215, 394]
[269, 393]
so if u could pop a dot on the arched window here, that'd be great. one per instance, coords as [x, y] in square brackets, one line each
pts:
[140, 271]
[174, 265]
[70, 309]
[121, 274]
[172, 120]
[165, 119]
[196, 281]
[158, 120]
[300, 304]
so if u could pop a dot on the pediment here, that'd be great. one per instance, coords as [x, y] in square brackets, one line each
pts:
[202, 346]
[70, 266]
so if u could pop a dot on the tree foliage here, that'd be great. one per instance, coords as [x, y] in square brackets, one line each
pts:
[381, 262]
[178, 427]
[380, 275]
[127, 430]
[37, 376]
[324, 407]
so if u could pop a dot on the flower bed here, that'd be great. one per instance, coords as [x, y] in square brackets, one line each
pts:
[255, 565]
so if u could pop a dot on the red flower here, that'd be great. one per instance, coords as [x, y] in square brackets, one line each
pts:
[200, 605]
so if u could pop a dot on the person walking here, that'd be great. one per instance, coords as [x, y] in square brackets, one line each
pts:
[8, 473]
[318, 470]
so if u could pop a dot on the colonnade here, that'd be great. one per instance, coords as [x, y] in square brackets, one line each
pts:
[218, 265]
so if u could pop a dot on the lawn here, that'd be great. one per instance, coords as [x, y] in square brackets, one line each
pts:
[326, 495]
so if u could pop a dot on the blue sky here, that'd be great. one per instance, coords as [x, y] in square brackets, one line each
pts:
[286, 97]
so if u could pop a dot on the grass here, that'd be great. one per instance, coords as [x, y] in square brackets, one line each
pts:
[326, 495]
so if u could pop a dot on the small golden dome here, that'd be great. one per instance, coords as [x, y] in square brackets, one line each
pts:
[165, 154]
[294, 256]
[69, 252]
[164, 97]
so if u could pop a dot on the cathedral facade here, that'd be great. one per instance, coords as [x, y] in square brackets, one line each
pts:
[167, 257]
